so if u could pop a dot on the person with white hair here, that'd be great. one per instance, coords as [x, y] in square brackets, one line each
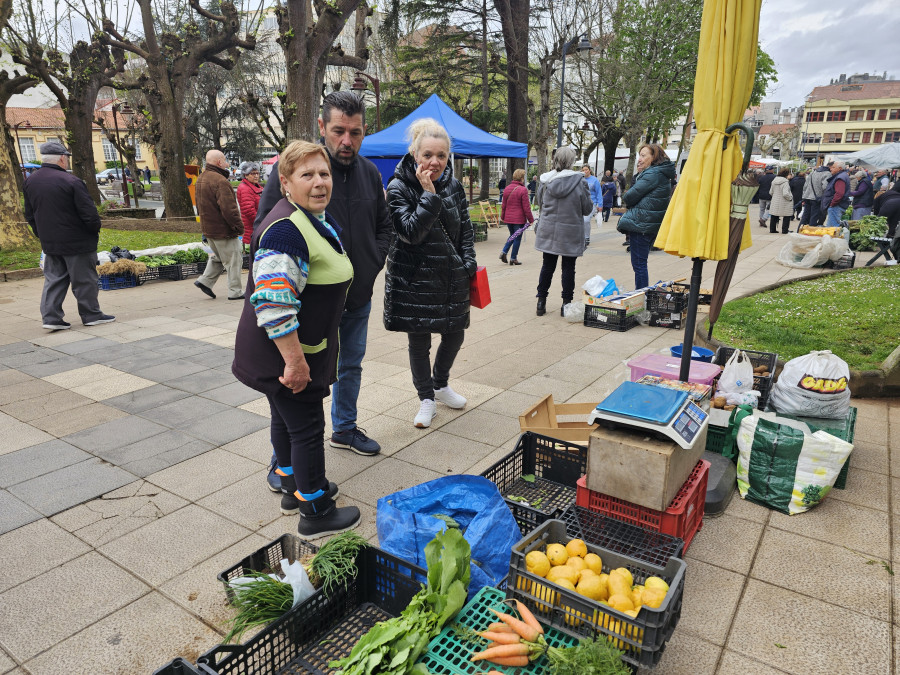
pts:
[863, 196]
[64, 217]
[836, 197]
[248, 194]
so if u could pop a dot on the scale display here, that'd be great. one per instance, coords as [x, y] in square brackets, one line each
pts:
[689, 422]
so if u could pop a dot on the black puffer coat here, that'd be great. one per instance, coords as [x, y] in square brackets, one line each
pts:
[429, 267]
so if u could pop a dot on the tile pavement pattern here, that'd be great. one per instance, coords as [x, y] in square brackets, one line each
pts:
[132, 470]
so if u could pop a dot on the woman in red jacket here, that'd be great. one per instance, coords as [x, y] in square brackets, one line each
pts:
[515, 212]
[248, 193]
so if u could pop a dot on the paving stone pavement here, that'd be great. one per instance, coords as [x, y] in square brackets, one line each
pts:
[132, 471]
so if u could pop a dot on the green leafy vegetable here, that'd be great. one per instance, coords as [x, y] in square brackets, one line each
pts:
[528, 478]
[869, 226]
[335, 561]
[260, 601]
[589, 657]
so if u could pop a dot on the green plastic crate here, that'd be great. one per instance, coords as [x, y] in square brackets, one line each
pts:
[843, 429]
[715, 442]
[449, 652]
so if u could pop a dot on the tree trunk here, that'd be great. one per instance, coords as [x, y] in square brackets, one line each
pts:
[14, 231]
[304, 93]
[514, 15]
[170, 152]
[632, 142]
[80, 141]
[610, 145]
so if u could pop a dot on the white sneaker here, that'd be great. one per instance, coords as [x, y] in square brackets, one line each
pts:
[449, 398]
[425, 415]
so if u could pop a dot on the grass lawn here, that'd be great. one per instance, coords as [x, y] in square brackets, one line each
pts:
[853, 313]
[135, 240]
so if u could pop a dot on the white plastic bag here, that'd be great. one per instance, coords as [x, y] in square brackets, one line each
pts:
[814, 385]
[574, 312]
[737, 377]
[296, 576]
[743, 398]
[600, 287]
[804, 252]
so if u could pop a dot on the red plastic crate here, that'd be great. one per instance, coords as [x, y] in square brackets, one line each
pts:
[683, 518]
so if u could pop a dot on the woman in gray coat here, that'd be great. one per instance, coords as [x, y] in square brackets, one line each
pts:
[564, 201]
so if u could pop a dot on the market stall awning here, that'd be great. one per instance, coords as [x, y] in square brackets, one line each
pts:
[885, 156]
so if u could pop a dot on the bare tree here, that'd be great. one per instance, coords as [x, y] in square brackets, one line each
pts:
[172, 55]
[125, 143]
[514, 18]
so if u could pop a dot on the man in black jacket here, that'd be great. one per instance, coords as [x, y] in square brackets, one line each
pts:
[765, 195]
[65, 219]
[359, 206]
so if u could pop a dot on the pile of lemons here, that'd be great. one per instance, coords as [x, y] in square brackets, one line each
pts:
[574, 568]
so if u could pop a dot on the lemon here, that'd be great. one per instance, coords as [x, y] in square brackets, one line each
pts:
[590, 587]
[636, 596]
[620, 602]
[576, 547]
[594, 562]
[577, 563]
[604, 579]
[618, 583]
[556, 554]
[563, 573]
[537, 563]
[625, 572]
[656, 582]
[653, 597]
[568, 585]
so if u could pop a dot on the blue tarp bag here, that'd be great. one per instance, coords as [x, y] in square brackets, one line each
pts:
[409, 519]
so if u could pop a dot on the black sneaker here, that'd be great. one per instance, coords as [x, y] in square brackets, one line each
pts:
[104, 318]
[206, 289]
[355, 440]
[57, 325]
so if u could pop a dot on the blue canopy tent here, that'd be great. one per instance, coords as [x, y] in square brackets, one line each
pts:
[388, 146]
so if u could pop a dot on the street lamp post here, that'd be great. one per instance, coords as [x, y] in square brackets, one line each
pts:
[115, 110]
[359, 85]
[583, 45]
[806, 133]
[27, 125]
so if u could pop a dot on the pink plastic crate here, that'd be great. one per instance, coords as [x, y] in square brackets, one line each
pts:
[669, 367]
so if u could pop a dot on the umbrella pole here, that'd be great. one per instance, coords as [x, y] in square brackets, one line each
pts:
[690, 321]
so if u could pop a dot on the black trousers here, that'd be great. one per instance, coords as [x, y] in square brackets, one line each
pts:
[785, 224]
[606, 211]
[426, 379]
[298, 437]
[548, 269]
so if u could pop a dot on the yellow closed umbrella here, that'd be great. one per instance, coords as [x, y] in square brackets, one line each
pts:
[696, 222]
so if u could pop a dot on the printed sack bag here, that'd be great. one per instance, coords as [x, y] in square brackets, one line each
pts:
[814, 385]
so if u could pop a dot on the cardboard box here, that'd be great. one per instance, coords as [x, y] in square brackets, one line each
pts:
[639, 468]
[632, 302]
[544, 418]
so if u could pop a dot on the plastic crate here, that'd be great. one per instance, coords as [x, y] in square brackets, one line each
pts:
[556, 466]
[611, 319]
[245, 261]
[113, 282]
[324, 628]
[481, 233]
[616, 535]
[267, 559]
[152, 274]
[761, 384]
[704, 298]
[448, 653]
[180, 667]
[846, 261]
[673, 320]
[666, 301]
[642, 638]
[683, 518]
[843, 429]
[183, 271]
[716, 437]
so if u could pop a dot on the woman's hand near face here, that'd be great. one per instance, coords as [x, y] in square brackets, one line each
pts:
[424, 176]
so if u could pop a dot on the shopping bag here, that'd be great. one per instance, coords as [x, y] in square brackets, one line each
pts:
[813, 385]
[480, 290]
[785, 469]
[409, 519]
[738, 374]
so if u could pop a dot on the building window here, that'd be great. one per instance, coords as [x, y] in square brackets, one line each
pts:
[815, 116]
[867, 137]
[812, 138]
[270, 23]
[857, 115]
[870, 114]
[878, 135]
[853, 136]
[882, 113]
[895, 114]
[892, 136]
[109, 150]
[26, 149]
[837, 115]
[136, 144]
[832, 138]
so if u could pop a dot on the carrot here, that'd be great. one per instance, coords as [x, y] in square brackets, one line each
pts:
[526, 632]
[528, 617]
[502, 651]
[508, 638]
[500, 627]
[511, 661]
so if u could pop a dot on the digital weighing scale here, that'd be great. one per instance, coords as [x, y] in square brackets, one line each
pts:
[665, 413]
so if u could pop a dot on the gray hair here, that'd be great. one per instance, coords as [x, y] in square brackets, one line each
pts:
[248, 167]
[563, 159]
[839, 164]
[51, 159]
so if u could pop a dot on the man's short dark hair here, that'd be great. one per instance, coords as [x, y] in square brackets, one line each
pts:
[346, 102]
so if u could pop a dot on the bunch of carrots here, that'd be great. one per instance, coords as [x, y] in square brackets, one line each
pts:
[513, 642]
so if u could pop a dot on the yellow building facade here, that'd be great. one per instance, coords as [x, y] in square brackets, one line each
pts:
[30, 127]
[843, 118]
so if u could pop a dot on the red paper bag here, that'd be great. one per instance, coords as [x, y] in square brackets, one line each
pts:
[480, 290]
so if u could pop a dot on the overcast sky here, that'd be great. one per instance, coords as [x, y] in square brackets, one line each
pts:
[813, 41]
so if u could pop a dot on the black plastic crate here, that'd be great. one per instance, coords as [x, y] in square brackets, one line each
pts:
[666, 300]
[481, 233]
[556, 466]
[846, 261]
[267, 559]
[245, 261]
[182, 271]
[180, 667]
[114, 282]
[761, 384]
[609, 318]
[667, 320]
[324, 628]
[614, 535]
[702, 298]
[642, 638]
[152, 274]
